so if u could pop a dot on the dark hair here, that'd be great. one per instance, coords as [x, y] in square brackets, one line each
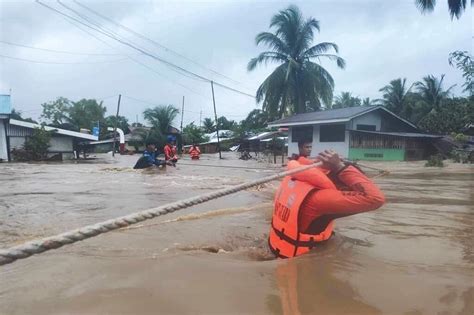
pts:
[302, 142]
[149, 142]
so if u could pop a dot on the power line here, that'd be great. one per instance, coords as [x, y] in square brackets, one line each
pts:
[61, 63]
[171, 65]
[72, 20]
[58, 51]
[153, 41]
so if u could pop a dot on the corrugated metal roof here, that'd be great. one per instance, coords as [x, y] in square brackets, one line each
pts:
[330, 116]
[399, 134]
[64, 132]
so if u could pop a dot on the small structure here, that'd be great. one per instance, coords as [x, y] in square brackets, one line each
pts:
[359, 133]
[5, 111]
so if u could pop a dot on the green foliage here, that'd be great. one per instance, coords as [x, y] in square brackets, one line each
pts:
[16, 114]
[122, 122]
[463, 61]
[35, 147]
[297, 84]
[452, 117]
[462, 156]
[57, 112]
[86, 113]
[155, 136]
[394, 96]
[256, 120]
[456, 7]
[208, 125]
[346, 100]
[459, 137]
[193, 134]
[432, 92]
[435, 161]
[161, 117]
[224, 124]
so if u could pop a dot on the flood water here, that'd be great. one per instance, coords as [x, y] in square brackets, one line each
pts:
[413, 256]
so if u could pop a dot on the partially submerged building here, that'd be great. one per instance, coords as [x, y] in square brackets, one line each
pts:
[359, 133]
[13, 134]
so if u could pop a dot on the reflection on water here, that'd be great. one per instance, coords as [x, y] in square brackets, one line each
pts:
[413, 256]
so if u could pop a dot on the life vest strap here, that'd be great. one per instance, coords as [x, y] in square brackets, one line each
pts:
[310, 244]
[275, 251]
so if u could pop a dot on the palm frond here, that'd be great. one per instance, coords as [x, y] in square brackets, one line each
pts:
[320, 49]
[272, 41]
[425, 5]
[265, 57]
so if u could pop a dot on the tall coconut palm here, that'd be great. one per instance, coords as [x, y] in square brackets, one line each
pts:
[395, 95]
[346, 99]
[456, 7]
[208, 125]
[432, 92]
[161, 117]
[298, 83]
[368, 102]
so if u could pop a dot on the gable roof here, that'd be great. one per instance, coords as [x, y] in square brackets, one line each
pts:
[63, 132]
[331, 116]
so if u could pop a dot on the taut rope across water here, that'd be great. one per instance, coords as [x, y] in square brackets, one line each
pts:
[28, 249]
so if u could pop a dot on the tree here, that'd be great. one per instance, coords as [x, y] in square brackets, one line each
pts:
[463, 61]
[86, 113]
[456, 7]
[451, 117]
[224, 124]
[255, 120]
[432, 92]
[297, 81]
[193, 134]
[161, 117]
[368, 102]
[137, 124]
[56, 112]
[346, 100]
[122, 122]
[35, 147]
[394, 96]
[208, 125]
[16, 114]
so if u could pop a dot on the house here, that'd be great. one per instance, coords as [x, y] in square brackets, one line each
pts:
[13, 134]
[359, 133]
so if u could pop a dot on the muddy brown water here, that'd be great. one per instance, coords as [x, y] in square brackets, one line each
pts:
[413, 256]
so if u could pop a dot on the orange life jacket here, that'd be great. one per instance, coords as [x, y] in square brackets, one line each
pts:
[194, 152]
[285, 239]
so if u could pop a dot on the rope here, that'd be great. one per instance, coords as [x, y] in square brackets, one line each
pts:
[28, 249]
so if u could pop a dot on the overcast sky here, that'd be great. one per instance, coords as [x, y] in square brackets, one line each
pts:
[380, 40]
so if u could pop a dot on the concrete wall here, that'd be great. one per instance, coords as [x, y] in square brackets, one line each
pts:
[372, 118]
[3, 142]
[61, 144]
[17, 142]
[340, 147]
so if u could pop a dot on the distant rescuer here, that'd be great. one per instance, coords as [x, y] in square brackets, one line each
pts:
[194, 152]
[149, 158]
[306, 203]
[171, 154]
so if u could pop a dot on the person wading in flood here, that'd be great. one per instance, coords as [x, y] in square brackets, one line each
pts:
[149, 158]
[194, 152]
[306, 203]
[170, 150]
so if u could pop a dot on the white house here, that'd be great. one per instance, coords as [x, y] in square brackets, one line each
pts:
[358, 133]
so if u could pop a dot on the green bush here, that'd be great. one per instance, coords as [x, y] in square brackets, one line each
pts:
[435, 161]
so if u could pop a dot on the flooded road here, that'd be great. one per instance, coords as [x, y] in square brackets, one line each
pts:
[413, 256]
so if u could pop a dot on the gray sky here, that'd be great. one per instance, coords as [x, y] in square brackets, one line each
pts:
[380, 41]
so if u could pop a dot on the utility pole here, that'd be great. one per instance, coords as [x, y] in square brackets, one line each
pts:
[217, 125]
[182, 114]
[115, 124]
[200, 119]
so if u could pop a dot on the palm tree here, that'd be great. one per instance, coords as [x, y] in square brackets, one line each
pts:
[161, 117]
[346, 100]
[431, 91]
[208, 125]
[394, 95]
[368, 102]
[298, 82]
[456, 7]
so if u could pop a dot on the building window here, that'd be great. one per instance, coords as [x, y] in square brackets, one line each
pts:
[332, 133]
[302, 134]
[374, 155]
[366, 127]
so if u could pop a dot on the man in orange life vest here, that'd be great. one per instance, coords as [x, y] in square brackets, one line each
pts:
[170, 150]
[306, 203]
[194, 152]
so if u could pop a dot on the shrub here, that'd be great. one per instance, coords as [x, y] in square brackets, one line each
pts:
[435, 161]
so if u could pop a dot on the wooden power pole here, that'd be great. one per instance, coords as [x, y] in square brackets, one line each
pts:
[217, 125]
[115, 124]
